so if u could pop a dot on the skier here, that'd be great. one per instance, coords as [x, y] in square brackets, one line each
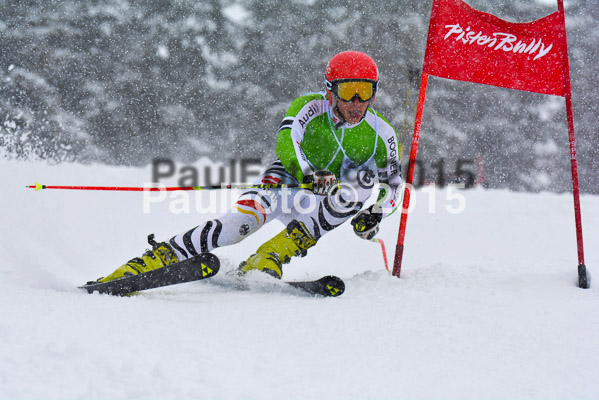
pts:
[333, 139]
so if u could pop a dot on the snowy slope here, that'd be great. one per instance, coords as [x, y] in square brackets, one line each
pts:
[487, 307]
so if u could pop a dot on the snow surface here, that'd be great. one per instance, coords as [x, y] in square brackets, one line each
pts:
[487, 306]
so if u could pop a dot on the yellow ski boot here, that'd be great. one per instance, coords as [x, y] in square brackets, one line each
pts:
[295, 240]
[161, 255]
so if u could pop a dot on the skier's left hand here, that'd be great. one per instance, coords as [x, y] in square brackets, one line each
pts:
[366, 223]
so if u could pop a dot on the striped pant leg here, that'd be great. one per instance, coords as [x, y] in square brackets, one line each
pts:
[247, 216]
[250, 212]
[322, 214]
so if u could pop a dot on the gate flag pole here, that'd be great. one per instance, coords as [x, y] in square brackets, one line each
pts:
[584, 281]
[410, 177]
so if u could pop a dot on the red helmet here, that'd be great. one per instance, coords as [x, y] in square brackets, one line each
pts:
[350, 65]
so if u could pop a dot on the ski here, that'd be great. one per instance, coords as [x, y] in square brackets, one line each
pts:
[327, 286]
[196, 268]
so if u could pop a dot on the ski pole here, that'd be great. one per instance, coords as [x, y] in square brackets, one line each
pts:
[380, 241]
[38, 186]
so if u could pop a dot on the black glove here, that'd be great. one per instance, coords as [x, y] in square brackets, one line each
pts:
[366, 223]
[322, 182]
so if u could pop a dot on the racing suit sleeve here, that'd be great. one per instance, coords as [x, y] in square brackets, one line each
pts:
[389, 168]
[291, 134]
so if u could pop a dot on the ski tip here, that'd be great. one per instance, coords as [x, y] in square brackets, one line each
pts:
[334, 285]
[327, 286]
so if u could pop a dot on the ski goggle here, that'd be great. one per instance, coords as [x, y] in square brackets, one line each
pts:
[348, 90]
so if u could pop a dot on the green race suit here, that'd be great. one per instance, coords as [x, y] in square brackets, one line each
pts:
[311, 137]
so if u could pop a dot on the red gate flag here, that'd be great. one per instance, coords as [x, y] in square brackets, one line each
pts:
[468, 45]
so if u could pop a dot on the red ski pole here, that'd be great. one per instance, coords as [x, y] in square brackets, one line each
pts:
[37, 187]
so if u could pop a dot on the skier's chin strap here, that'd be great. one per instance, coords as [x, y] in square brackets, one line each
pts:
[339, 115]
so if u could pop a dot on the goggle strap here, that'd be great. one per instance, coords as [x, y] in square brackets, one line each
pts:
[329, 85]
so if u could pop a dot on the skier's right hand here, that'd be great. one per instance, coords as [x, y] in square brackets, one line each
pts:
[322, 182]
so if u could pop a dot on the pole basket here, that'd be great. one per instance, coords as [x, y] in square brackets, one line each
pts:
[584, 278]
